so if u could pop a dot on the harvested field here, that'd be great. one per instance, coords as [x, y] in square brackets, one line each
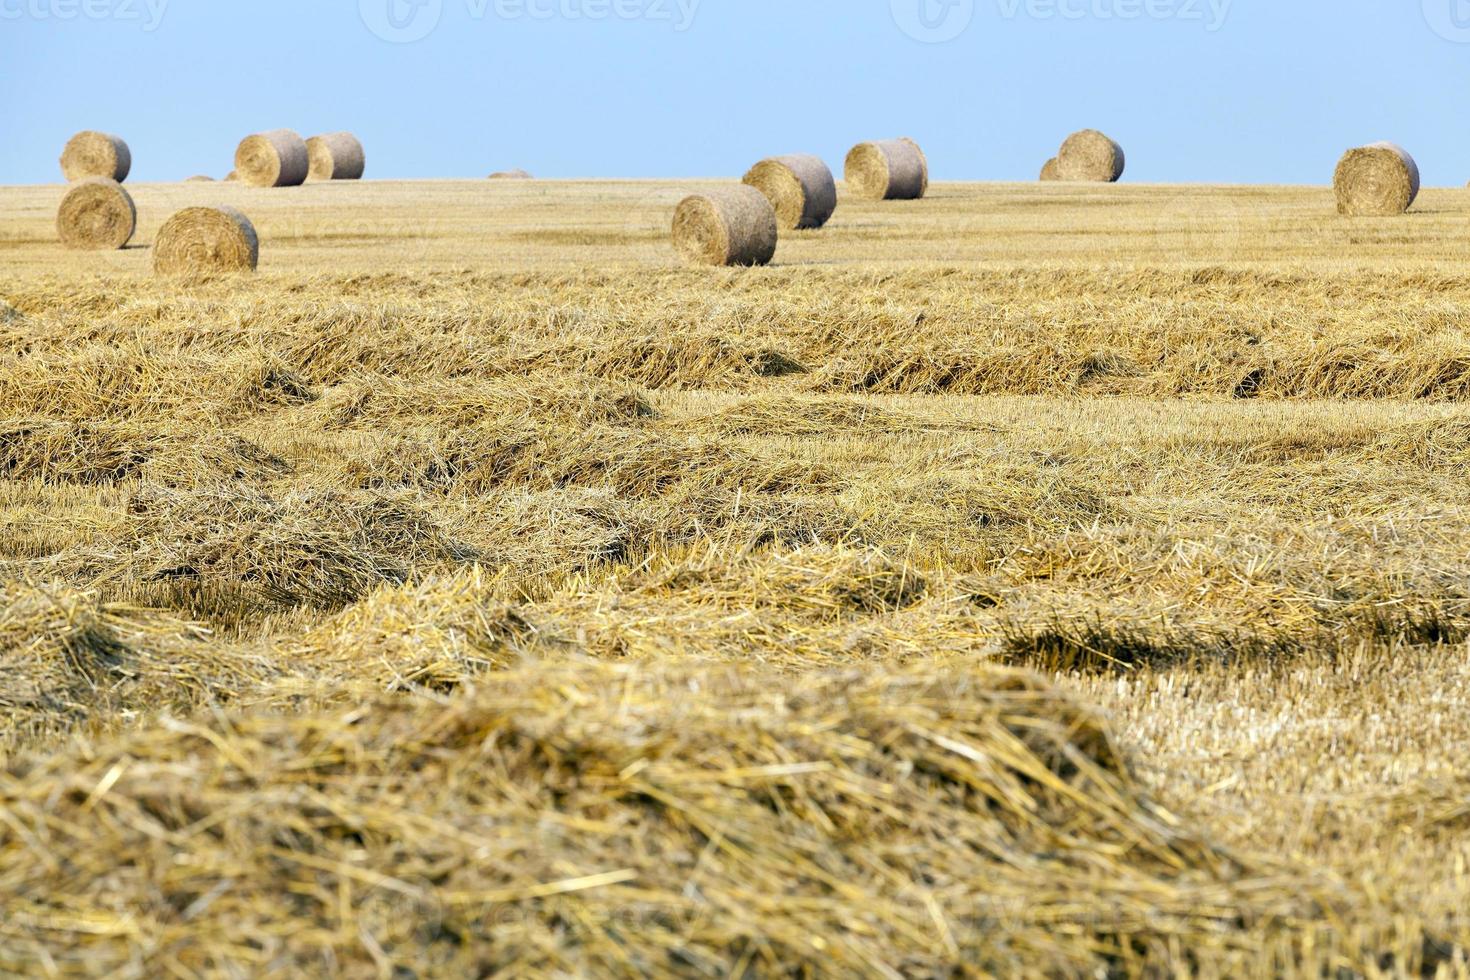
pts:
[1047, 577]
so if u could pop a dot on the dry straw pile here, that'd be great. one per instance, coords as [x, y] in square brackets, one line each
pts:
[1090, 156]
[510, 175]
[199, 179]
[730, 226]
[335, 156]
[1050, 171]
[93, 154]
[800, 187]
[203, 240]
[274, 159]
[96, 213]
[1378, 179]
[232, 176]
[888, 170]
[665, 820]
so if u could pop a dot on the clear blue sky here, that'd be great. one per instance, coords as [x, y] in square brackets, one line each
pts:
[1253, 91]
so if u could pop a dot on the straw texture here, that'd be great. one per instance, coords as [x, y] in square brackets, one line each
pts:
[730, 226]
[1377, 179]
[93, 154]
[274, 159]
[335, 156]
[887, 170]
[800, 187]
[1050, 171]
[96, 213]
[203, 240]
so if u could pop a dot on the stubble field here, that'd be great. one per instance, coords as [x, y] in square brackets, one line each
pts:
[1042, 579]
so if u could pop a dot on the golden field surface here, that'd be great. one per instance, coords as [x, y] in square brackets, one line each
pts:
[1031, 579]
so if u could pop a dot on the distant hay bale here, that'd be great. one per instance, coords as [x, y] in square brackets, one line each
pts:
[511, 175]
[92, 154]
[274, 159]
[1377, 179]
[203, 240]
[888, 170]
[97, 213]
[233, 176]
[199, 179]
[335, 156]
[799, 186]
[731, 226]
[1090, 156]
[1050, 171]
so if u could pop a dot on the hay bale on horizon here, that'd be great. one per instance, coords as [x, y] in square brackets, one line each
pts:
[887, 170]
[94, 154]
[274, 159]
[199, 179]
[510, 175]
[1050, 170]
[1090, 156]
[232, 177]
[202, 240]
[96, 214]
[1378, 179]
[730, 226]
[799, 186]
[335, 156]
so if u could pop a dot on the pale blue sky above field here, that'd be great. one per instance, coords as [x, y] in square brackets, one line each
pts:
[1251, 91]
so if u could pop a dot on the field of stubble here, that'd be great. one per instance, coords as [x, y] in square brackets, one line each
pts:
[1040, 579]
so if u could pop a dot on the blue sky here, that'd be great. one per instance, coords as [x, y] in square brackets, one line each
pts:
[1249, 91]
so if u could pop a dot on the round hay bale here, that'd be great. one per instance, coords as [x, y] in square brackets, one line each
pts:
[274, 159]
[888, 170]
[1050, 171]
[730, 226]
[203, 240]
[1092, 156]
[335, 156]
[1377, 179]
[511, 175]
[800, 187]
[199, 179]
[96, 213]
[93, 154]
[233, 176]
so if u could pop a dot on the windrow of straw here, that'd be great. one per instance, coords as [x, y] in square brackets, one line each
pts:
[919, 822]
